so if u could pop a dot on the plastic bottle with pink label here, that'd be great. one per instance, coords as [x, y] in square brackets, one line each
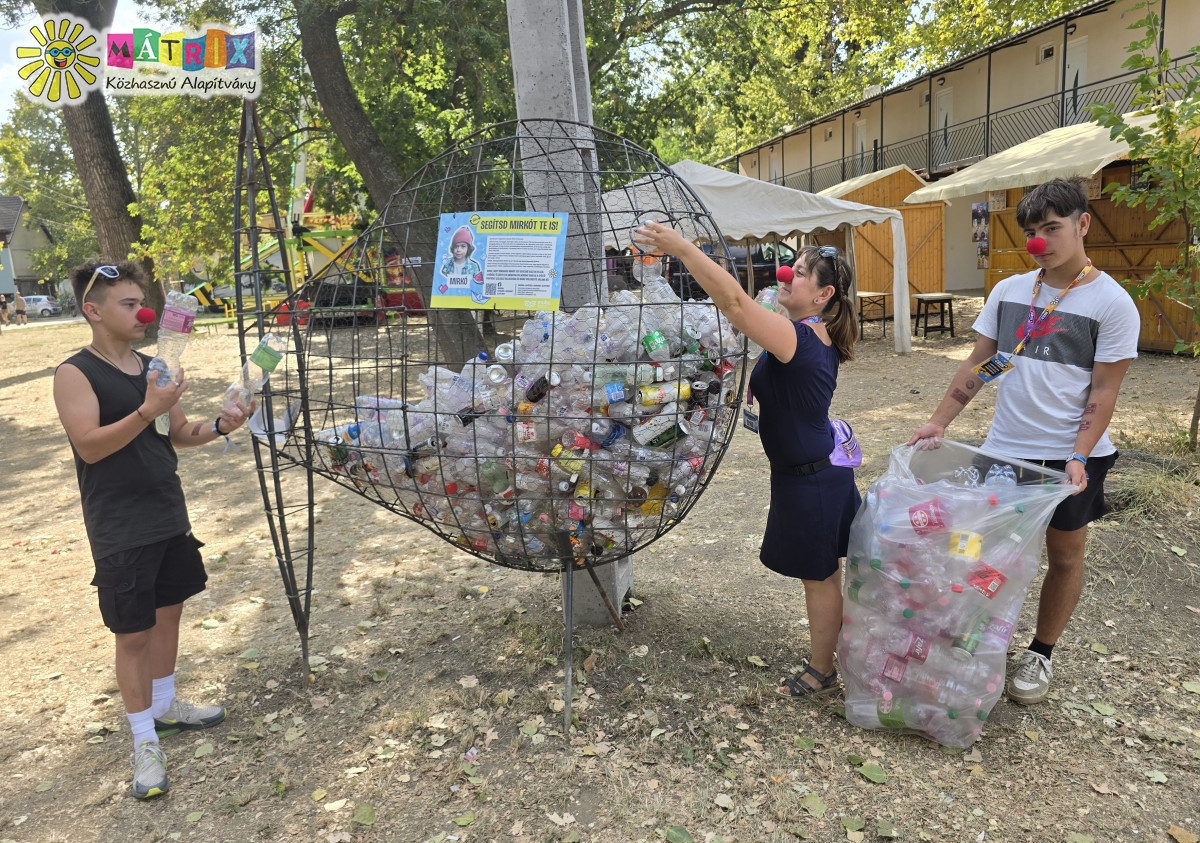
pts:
[174, 331]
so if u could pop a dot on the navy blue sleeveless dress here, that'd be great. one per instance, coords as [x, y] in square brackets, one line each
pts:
[808, 526]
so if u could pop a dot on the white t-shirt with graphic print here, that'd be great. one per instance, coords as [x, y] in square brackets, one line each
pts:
[1041, 401]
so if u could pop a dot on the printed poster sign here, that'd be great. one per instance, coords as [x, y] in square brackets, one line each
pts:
[980, 221]
[497, 260]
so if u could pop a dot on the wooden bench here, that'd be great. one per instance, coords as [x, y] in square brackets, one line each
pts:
[926, 302]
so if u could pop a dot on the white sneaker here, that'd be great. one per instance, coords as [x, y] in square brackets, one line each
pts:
[1029, 681]
[149, 770]
[184, 715]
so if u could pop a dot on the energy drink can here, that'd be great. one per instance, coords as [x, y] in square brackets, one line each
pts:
[657, 425]
[965, 644]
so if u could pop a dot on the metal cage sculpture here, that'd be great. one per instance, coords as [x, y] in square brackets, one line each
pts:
[540, 441]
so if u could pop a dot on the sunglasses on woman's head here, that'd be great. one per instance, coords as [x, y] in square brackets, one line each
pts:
[830, 252]
[106, 271]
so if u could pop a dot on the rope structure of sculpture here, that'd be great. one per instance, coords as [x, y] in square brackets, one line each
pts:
[536, 438]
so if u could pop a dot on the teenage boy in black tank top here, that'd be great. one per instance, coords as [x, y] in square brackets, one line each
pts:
[147, 561]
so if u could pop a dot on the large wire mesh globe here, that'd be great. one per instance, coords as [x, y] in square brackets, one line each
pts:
[538, 440]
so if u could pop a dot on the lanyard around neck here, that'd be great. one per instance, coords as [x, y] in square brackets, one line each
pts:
[810, 320]
[1035, 322]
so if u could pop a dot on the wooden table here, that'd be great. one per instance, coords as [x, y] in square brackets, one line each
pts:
[872, 300]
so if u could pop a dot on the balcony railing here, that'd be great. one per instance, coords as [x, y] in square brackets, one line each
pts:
[956, 146]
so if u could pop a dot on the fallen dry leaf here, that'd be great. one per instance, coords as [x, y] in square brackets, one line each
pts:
[468, 682]
[1181, 835]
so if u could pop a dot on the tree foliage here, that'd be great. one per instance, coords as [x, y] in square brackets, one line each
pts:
[1168, 151]
[37, 166]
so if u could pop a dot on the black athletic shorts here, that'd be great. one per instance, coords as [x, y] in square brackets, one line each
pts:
[133, 584]
[1080, 510]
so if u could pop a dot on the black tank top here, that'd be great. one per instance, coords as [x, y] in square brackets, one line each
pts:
[133, 497]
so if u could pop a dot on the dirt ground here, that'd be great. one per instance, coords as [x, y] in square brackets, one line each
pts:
[434, 710]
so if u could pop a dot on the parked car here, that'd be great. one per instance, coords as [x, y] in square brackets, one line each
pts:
[42, 306]
[763, 262]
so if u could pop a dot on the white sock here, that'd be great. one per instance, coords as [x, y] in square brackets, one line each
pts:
[141, 723]
[162, 695]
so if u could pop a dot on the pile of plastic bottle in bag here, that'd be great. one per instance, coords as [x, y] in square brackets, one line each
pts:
[941, 556]
[599, 424]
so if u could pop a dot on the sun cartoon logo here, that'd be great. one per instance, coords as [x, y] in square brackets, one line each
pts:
[59, 73]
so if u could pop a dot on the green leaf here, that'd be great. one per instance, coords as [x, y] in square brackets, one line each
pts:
[678, 834]
[805, 743]
[814, 805]
[853, 823]
[204, 749]
[756, 661]
[379, 675]
[44, 786]
[1156, 776]
[873, 772]
[1104, 709]
[194, 817]
[465, 820]
[252, 653]
[885, 829]
[1097, 647]
[364, 814]
[1076, 837]
[1194, 687]
[1178, 551]
[855, 759]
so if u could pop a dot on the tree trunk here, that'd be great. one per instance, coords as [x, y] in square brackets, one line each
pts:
[98, 160]
[458, 336]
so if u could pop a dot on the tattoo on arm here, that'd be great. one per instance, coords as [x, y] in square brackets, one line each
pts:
[1085, 424]
[970, 384]
[1090, 409]
[196, 429]
[960, 396]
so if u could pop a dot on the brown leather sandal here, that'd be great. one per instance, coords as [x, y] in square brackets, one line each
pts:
[798, 688]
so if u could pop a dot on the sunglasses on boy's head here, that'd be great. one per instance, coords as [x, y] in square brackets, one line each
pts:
[106, 271]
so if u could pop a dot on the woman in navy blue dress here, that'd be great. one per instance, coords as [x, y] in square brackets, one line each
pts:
[812, 501]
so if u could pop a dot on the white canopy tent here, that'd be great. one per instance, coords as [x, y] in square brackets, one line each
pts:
[751, 211]
[1081, 150]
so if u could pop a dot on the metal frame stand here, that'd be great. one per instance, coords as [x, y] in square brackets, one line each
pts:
[254, 193]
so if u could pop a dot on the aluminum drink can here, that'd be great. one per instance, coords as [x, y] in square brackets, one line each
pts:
[965, 644]
[657, 424]
[678, 430]
[665, 393]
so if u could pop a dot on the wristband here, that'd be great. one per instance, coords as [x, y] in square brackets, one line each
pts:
[138, 410]
[1077, 456]
[217, 427]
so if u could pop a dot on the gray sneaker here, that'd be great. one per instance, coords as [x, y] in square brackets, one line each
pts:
[1029, 681]
[149, 770]
[184, 715]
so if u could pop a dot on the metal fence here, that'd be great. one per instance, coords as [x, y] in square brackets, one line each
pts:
[958, 145]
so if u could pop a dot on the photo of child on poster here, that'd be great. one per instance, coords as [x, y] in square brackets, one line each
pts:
[979, 233]
[459, 269]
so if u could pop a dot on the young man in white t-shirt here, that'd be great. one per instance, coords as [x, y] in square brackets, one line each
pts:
[1070, 340]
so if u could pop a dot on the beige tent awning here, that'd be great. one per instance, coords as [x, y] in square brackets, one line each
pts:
[850, 185]
[1081, 150]
[746, 209]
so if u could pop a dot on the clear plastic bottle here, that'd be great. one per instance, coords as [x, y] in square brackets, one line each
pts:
[257, 368]
[174, 331]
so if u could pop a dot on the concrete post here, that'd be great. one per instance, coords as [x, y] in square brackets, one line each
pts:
[550, 72]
